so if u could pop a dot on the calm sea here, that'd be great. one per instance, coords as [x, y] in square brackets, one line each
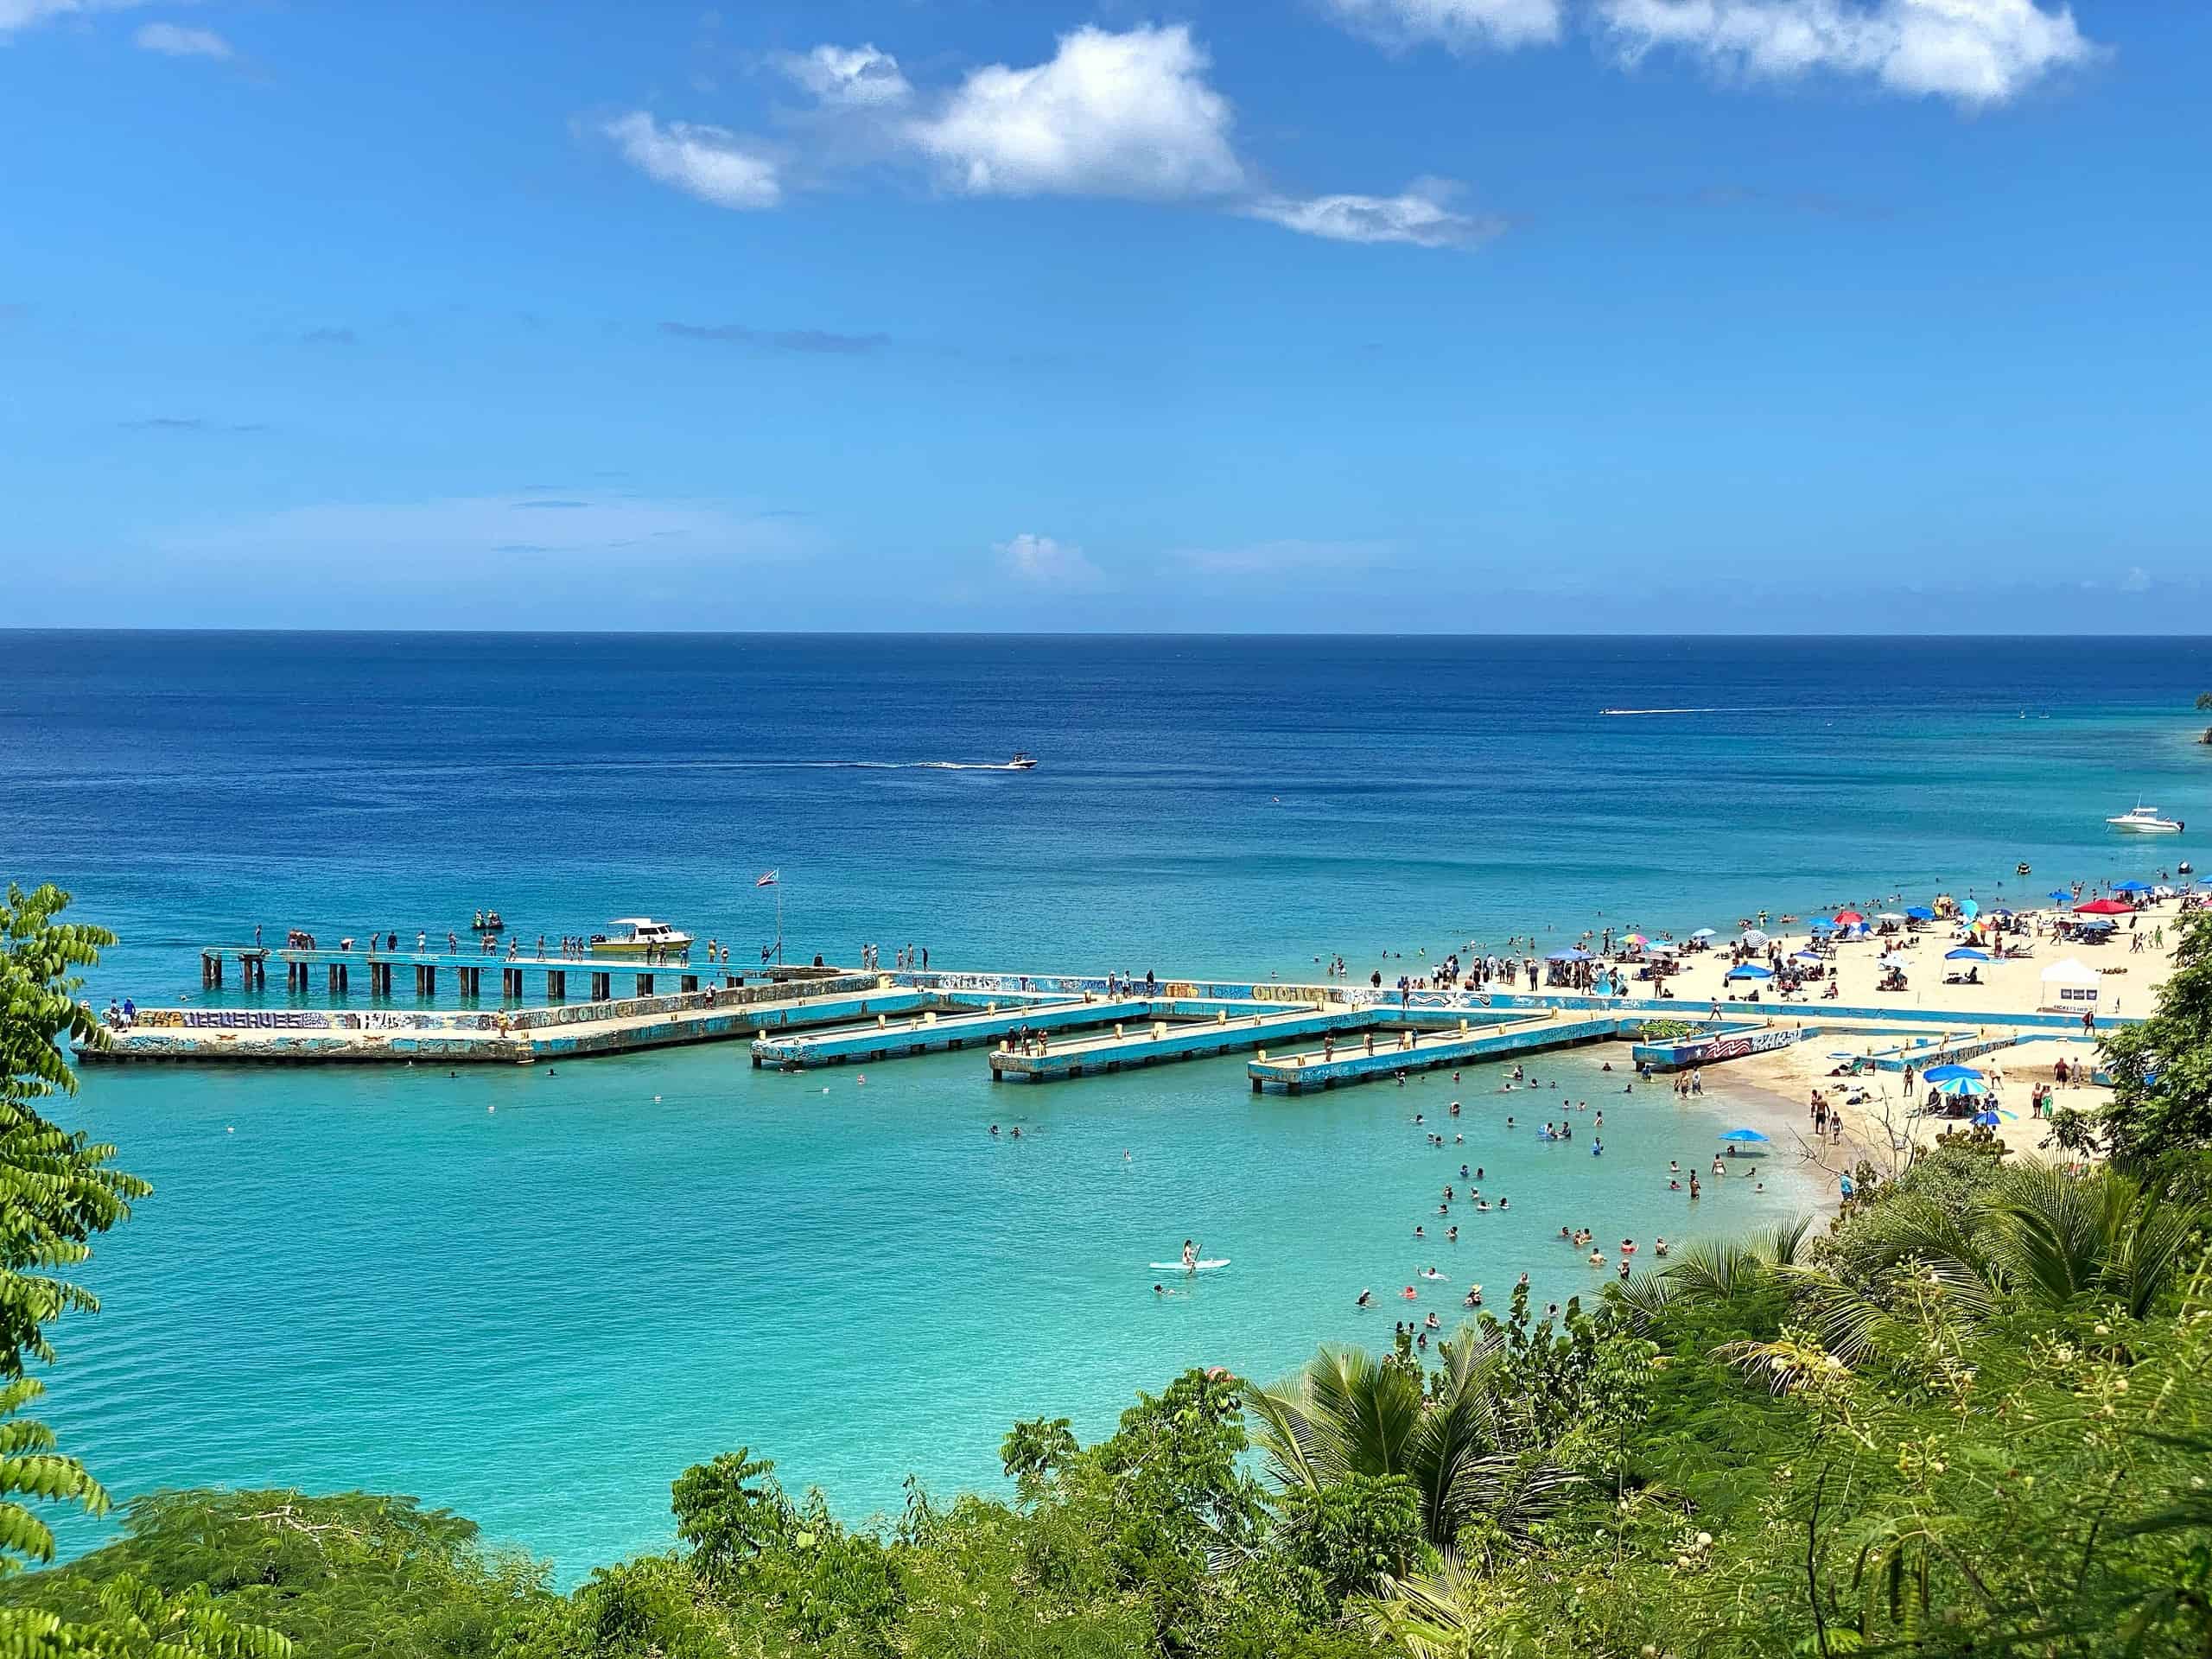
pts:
[535, 1294]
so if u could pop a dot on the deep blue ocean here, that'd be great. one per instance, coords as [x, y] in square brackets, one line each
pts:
[534, 1295]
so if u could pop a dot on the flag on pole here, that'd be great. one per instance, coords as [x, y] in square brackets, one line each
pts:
[768, 879]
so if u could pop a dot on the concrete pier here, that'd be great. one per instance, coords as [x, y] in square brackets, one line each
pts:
[932, 1031]
[1162, 1041]
[1154, 1021]
[1376, 1055]
[464, 1038]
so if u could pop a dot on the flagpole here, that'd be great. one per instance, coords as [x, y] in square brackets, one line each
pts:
[779, 919]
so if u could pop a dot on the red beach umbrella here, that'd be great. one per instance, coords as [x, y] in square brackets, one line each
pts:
[1849, 919]
[2101, 907]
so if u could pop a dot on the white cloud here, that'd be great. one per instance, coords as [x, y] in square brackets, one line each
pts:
[21, 14]
[174, 40]
[1975, 51]
[1110, 115]
[707, 162]
[1420, 215]
[1462, 25]
[855, 77]
[1045, 563]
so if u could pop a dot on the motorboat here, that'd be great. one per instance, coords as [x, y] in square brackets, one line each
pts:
[642, 937]
[2144, 821]
[1022, 761]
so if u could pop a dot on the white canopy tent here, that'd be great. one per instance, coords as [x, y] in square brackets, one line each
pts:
[2071, 986]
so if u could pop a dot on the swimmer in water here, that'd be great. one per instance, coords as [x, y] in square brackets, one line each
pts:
[994, 1129]
[1452, 1235]
[1418, 1232]
[1366, 1299]
[1503, 1203]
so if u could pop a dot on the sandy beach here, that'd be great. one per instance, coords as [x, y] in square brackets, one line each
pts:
[1880, 1124]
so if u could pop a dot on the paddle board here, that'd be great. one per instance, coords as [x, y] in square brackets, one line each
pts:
[1177, 1266]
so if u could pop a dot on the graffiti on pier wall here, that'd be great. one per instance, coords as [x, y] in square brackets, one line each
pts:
[1736, 1048]
[236, 1019]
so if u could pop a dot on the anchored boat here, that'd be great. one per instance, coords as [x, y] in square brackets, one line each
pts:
[2144, 821]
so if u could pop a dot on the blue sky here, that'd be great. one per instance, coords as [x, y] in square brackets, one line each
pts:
[1343, 315]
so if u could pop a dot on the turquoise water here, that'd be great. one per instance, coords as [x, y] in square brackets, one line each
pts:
[535, 1294]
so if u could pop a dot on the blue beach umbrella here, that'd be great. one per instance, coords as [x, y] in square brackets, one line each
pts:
[1743, 1135]
[1702, 933]
[2061, 896]
[1578, 953]
[1985, 1120]
[1822, 924]
[2131, 886]
[1806, 956]
[1935, 1074]
[1750, 970]
[1919, 914]
[1971, 909]
[1972, 1088]
[1966, 953]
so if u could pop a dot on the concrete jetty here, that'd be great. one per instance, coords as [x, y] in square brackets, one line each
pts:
[382, 970]
[468, 1037]
[1154, 1021]
[1375, 1056]
[1163, 1040]
[933, 1031]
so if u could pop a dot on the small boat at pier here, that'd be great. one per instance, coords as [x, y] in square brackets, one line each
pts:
[641, 936]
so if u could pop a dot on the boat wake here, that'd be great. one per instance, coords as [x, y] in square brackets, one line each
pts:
[1662, 711]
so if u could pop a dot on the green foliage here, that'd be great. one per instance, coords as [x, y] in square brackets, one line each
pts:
[57, 1190]
[2161, 1068]
[1034, 1452]
[728, 1510]
[349, 1574]
[1355, 1533]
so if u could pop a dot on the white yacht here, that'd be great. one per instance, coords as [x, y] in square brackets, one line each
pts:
[1022, 761]
[641, 936]
[2144, 821]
